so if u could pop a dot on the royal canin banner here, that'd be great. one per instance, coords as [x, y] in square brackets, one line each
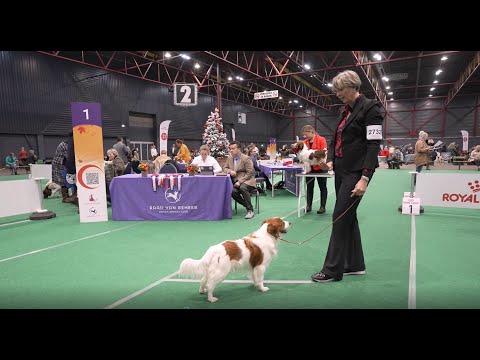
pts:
[449, 190]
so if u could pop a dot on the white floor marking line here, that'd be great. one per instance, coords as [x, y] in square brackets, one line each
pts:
[125, 299]
[168, 279]
[16, 222]
[249, 281]
[412, 291]
[62, 244]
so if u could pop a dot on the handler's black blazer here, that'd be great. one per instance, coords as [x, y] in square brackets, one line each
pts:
[358, 152]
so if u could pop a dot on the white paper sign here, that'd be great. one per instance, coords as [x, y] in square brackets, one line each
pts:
[374, 132]
[411, 206]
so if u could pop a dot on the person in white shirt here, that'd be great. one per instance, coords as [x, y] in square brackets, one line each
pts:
[153, 152]
[204, 159]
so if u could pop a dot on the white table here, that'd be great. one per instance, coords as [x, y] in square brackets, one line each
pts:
[303, 186]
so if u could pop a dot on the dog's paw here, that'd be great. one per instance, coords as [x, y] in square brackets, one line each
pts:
[263, 289]
[202, 291]
[213, 299]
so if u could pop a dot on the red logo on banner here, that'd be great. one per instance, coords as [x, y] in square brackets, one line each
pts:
[474, 186]
[164, 136]
[465, 198]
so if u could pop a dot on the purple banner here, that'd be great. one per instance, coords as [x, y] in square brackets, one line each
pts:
[292, 184]
[198, 198]
[86, 114]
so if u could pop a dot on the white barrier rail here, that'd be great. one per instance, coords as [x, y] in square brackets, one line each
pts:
[41, 171]
[19, 197]
[449, 190]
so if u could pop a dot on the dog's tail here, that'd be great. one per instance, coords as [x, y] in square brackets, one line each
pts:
[196, 268]
[193, 268]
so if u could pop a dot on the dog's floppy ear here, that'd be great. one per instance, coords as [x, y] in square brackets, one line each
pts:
[275, 226]
[300, 145]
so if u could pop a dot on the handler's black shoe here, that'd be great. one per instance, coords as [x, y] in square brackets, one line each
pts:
[322, 277]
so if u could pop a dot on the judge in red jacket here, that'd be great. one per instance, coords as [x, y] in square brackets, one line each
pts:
[315, 142]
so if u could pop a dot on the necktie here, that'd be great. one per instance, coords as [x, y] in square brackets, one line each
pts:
[338, 142]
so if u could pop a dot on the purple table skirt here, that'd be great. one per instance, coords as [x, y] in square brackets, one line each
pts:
[200, 198]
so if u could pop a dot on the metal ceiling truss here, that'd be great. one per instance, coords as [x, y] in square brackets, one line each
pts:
[361, 60]
[273, 74]
[146, 66]
[470, 69]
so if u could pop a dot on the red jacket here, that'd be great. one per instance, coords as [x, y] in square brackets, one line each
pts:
[319, 143]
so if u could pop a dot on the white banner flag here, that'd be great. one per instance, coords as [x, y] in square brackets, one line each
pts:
[163, 135]
[233, 134]
[465, 140]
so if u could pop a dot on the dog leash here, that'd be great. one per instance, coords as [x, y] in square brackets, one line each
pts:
[333, 222]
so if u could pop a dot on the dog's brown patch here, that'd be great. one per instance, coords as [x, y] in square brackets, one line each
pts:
[275, 226]
[232, 249]
[300, 145]
[318, 154]
[256, 254]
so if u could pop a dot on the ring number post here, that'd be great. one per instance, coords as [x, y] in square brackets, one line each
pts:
[185, 94]
[411, 205]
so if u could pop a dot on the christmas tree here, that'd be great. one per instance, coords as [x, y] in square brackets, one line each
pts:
[214, 137]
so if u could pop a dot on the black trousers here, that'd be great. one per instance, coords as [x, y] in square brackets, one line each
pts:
[345, 247]
[242, 195]
[322, 183]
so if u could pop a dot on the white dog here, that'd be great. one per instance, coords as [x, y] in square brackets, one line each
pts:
[252, 253]
[310, 157]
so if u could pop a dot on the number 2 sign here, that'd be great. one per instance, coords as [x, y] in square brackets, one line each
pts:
[185, 94]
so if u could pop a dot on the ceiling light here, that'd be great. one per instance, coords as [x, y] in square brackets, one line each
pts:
[430, 95]
[123, 125]
[295, 101]
[197, 65]
[377, 56]
[185, 56]
[280, 98]
[167, 54]
[388, 87]
[329, 85]
[438, 72]
[306, 66]
[436, 81]
[385, 78]
[230, 78]
[431, 89]
[301, 106]
[289, 101]
[390, 93]
[444, 58]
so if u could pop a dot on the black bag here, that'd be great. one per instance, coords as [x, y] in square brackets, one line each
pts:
[279, 185]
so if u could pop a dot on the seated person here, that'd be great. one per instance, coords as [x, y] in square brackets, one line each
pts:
[204, 159]
[22, 156]
[31, 158]
[11, 162]
[160, 160]
[258, 172]
[475, 156]
[240, 168]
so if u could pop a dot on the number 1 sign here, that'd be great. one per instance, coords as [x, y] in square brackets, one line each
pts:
[185, 94]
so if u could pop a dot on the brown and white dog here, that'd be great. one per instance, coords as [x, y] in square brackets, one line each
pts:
[51, 189]
[251, 253]
[310, 157]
